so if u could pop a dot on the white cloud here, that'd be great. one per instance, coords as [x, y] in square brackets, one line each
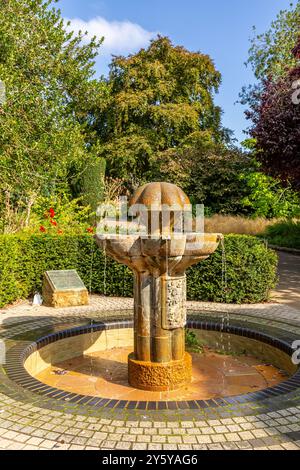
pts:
[120, 37]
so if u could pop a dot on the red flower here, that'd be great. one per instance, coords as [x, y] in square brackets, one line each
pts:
[51, 213]
[42, 229]
[90, 230]
[60, 232]
[53, 222]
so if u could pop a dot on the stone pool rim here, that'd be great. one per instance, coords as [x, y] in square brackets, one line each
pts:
[17, 356]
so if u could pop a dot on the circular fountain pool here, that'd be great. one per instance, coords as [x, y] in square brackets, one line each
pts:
[92, 362]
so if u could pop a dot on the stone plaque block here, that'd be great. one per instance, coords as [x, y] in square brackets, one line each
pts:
[64, 289]
[175, 311]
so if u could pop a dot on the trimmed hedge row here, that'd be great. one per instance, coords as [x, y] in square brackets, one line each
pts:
[250, 267]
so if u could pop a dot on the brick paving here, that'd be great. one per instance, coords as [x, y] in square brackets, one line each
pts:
[288, 288]
[31, 422]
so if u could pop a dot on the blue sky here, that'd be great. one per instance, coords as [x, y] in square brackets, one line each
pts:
[220, 28]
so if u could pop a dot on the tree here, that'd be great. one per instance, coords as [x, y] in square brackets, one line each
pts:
[227, 181]
[276, 126]
[214, 176]
[270, 53]
[158, 98]
[45, 123]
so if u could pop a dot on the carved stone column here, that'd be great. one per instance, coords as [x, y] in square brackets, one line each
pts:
[159, 361]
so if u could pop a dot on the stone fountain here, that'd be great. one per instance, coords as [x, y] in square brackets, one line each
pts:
[159, 257]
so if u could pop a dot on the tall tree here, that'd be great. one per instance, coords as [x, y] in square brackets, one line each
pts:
[44, 122]
[276, 126]
[158, 99]
[270, 52]
[274, 57]
[211, 173]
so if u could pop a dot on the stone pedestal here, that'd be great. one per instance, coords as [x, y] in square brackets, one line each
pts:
[159, 317]
[157, 377]
[159, 338]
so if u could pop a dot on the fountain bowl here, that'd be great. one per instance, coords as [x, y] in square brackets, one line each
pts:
[159, 253]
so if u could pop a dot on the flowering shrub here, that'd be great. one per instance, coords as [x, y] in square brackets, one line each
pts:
[50, 222]
[60, 216]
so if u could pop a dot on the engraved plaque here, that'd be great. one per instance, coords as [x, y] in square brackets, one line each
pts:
[175, 314]
[65, 280]
[64, 289]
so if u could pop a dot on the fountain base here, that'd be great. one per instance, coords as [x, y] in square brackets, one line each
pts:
[159, 377]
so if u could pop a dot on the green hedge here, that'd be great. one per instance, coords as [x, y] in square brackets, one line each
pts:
[251, 268]
[251, 273]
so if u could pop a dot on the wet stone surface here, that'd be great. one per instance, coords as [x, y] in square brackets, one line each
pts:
[105, 374]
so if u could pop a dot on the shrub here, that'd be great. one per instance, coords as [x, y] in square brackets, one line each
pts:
[250, 271]
[268, 198]
[285, 234]
[13, 285]
[92, 186]
[59, 215]
[251, 268]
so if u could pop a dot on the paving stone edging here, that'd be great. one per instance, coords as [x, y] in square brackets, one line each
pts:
[293, 251]
[18, 355]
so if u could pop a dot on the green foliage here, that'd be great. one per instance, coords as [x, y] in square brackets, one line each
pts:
[227, 181]
[214, 178]
[285, 234]
[270, 53]
[71, 216]
[267, 198]
[93, 183]
[250, 272]
[13, 284]
[44, 122]
[251, 268]
[192, 343]
[158, 97]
